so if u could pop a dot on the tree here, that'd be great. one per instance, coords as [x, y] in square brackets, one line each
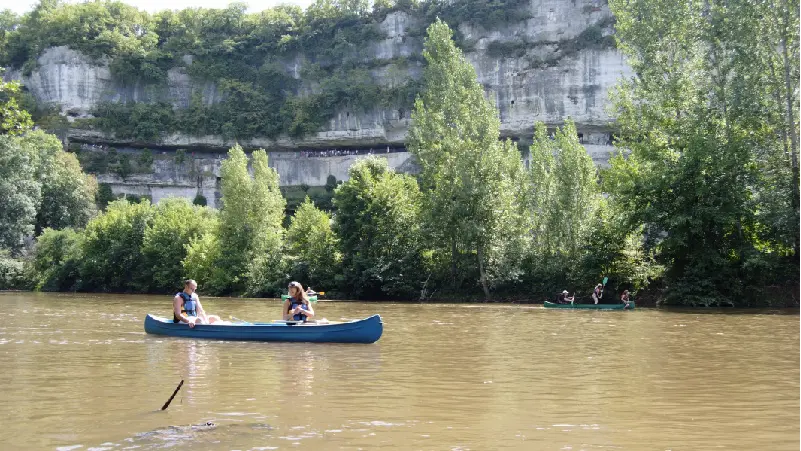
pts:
[313, 246]
[246, 249]
[378, 225]
[57, 259]
[266, 216]
[20, 190]
[112, 259]
[564, 192]
[13, 119]
[470, 181]
[68, 194]
[175, 224]
[704, 123]
[563, 201]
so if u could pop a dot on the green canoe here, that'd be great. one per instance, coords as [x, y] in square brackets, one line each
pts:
[590, 306]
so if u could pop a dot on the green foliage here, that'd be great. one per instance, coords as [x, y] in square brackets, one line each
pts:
[56, 261]
[244, 255]
[470, 181]
[12, 272]
[705, 122]
[312, 246]
[378, 225]
[68, 195]
[104, 196]
[145, 160]
[565, 193]
[13, 119]
[112, 249]
[174, 225]
[43, 187]
[330, 183]
[200, 200]
[20, 190]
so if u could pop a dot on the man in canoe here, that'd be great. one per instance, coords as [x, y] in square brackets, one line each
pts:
[297, 306]
[186, 307]
[563, 299]
[624, 298]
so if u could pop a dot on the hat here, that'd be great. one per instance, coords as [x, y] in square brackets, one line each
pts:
[564, 292]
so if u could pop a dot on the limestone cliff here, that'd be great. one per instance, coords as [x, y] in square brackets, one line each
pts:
[536, 83]
[523, 67]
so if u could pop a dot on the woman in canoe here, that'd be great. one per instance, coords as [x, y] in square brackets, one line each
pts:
[297, 306]
[186, 307]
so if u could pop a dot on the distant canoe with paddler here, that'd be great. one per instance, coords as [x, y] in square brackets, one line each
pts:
[367, 330]
[630, 306]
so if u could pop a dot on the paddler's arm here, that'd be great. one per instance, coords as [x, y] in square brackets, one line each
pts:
[176, 310]
[285, 308]
[309, 313]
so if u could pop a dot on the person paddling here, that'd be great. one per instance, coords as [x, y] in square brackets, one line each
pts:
[598, 293]
[297, 306]
[187, 309]
[564, 299]
[625, 298]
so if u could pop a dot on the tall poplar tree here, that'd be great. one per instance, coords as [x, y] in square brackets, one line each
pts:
[243, 256]
[471, 181]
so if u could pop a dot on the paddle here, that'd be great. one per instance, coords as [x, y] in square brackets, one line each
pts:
[606, 279]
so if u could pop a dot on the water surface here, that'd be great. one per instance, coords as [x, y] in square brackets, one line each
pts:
[78, 372]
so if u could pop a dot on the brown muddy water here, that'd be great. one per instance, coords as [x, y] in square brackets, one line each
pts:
[77, 372]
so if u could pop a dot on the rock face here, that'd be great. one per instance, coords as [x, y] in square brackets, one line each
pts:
[537, 83]
[573, 86]
[199, 172]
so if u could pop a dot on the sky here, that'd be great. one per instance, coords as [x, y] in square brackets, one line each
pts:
[23, 6]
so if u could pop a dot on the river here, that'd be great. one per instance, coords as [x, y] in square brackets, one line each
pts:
[77, 372]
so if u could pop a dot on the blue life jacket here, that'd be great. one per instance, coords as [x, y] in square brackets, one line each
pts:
[292, 304]
[188, 306]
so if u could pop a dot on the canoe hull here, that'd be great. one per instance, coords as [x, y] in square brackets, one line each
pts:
[548, 304]
[366, 330]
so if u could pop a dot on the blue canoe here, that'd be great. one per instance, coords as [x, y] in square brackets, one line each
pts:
[366, 330]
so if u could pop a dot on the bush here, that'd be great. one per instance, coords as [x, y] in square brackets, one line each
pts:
[104, 196]
[56, 261]
[174, 225]
[112, 259]
[200, 200]
[12, 275]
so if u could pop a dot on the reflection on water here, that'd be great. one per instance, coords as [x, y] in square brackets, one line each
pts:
[79, 373]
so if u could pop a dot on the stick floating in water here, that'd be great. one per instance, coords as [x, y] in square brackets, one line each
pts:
[167, 404]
